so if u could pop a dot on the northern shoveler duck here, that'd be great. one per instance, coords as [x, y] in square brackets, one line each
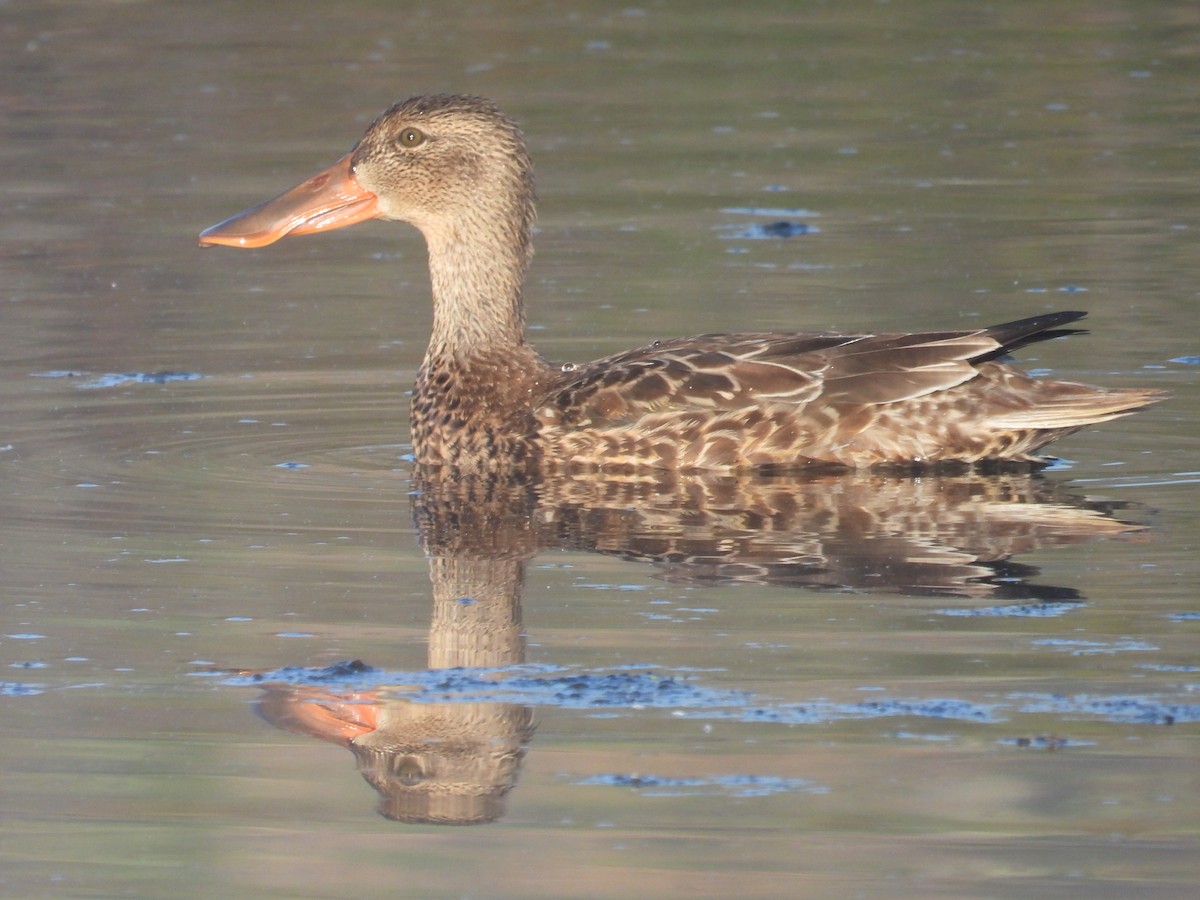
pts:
[457, 168]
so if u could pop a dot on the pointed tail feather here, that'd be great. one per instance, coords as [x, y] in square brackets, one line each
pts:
[1014, 335]
[1070, 405]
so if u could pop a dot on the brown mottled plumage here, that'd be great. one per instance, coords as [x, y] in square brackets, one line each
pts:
[457, 169]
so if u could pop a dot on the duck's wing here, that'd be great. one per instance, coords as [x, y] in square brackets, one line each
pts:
[727, 372]
[734, 371]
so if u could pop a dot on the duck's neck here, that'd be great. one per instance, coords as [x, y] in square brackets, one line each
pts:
[471, 406]
[476, 275]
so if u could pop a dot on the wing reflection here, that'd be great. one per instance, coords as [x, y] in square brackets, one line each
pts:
[946, 535]
[455, 762]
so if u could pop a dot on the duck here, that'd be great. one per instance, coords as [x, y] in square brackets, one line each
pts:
[485, 401]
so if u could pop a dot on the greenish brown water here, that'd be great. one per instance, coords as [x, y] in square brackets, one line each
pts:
[956, 688]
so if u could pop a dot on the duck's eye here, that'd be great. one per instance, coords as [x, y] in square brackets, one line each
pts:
[410, 137]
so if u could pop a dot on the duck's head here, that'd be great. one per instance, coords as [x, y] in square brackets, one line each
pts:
[444, 163]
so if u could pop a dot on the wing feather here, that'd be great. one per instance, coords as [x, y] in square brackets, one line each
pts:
[714, 373]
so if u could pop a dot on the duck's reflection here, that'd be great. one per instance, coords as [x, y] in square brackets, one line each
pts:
[454, 763]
